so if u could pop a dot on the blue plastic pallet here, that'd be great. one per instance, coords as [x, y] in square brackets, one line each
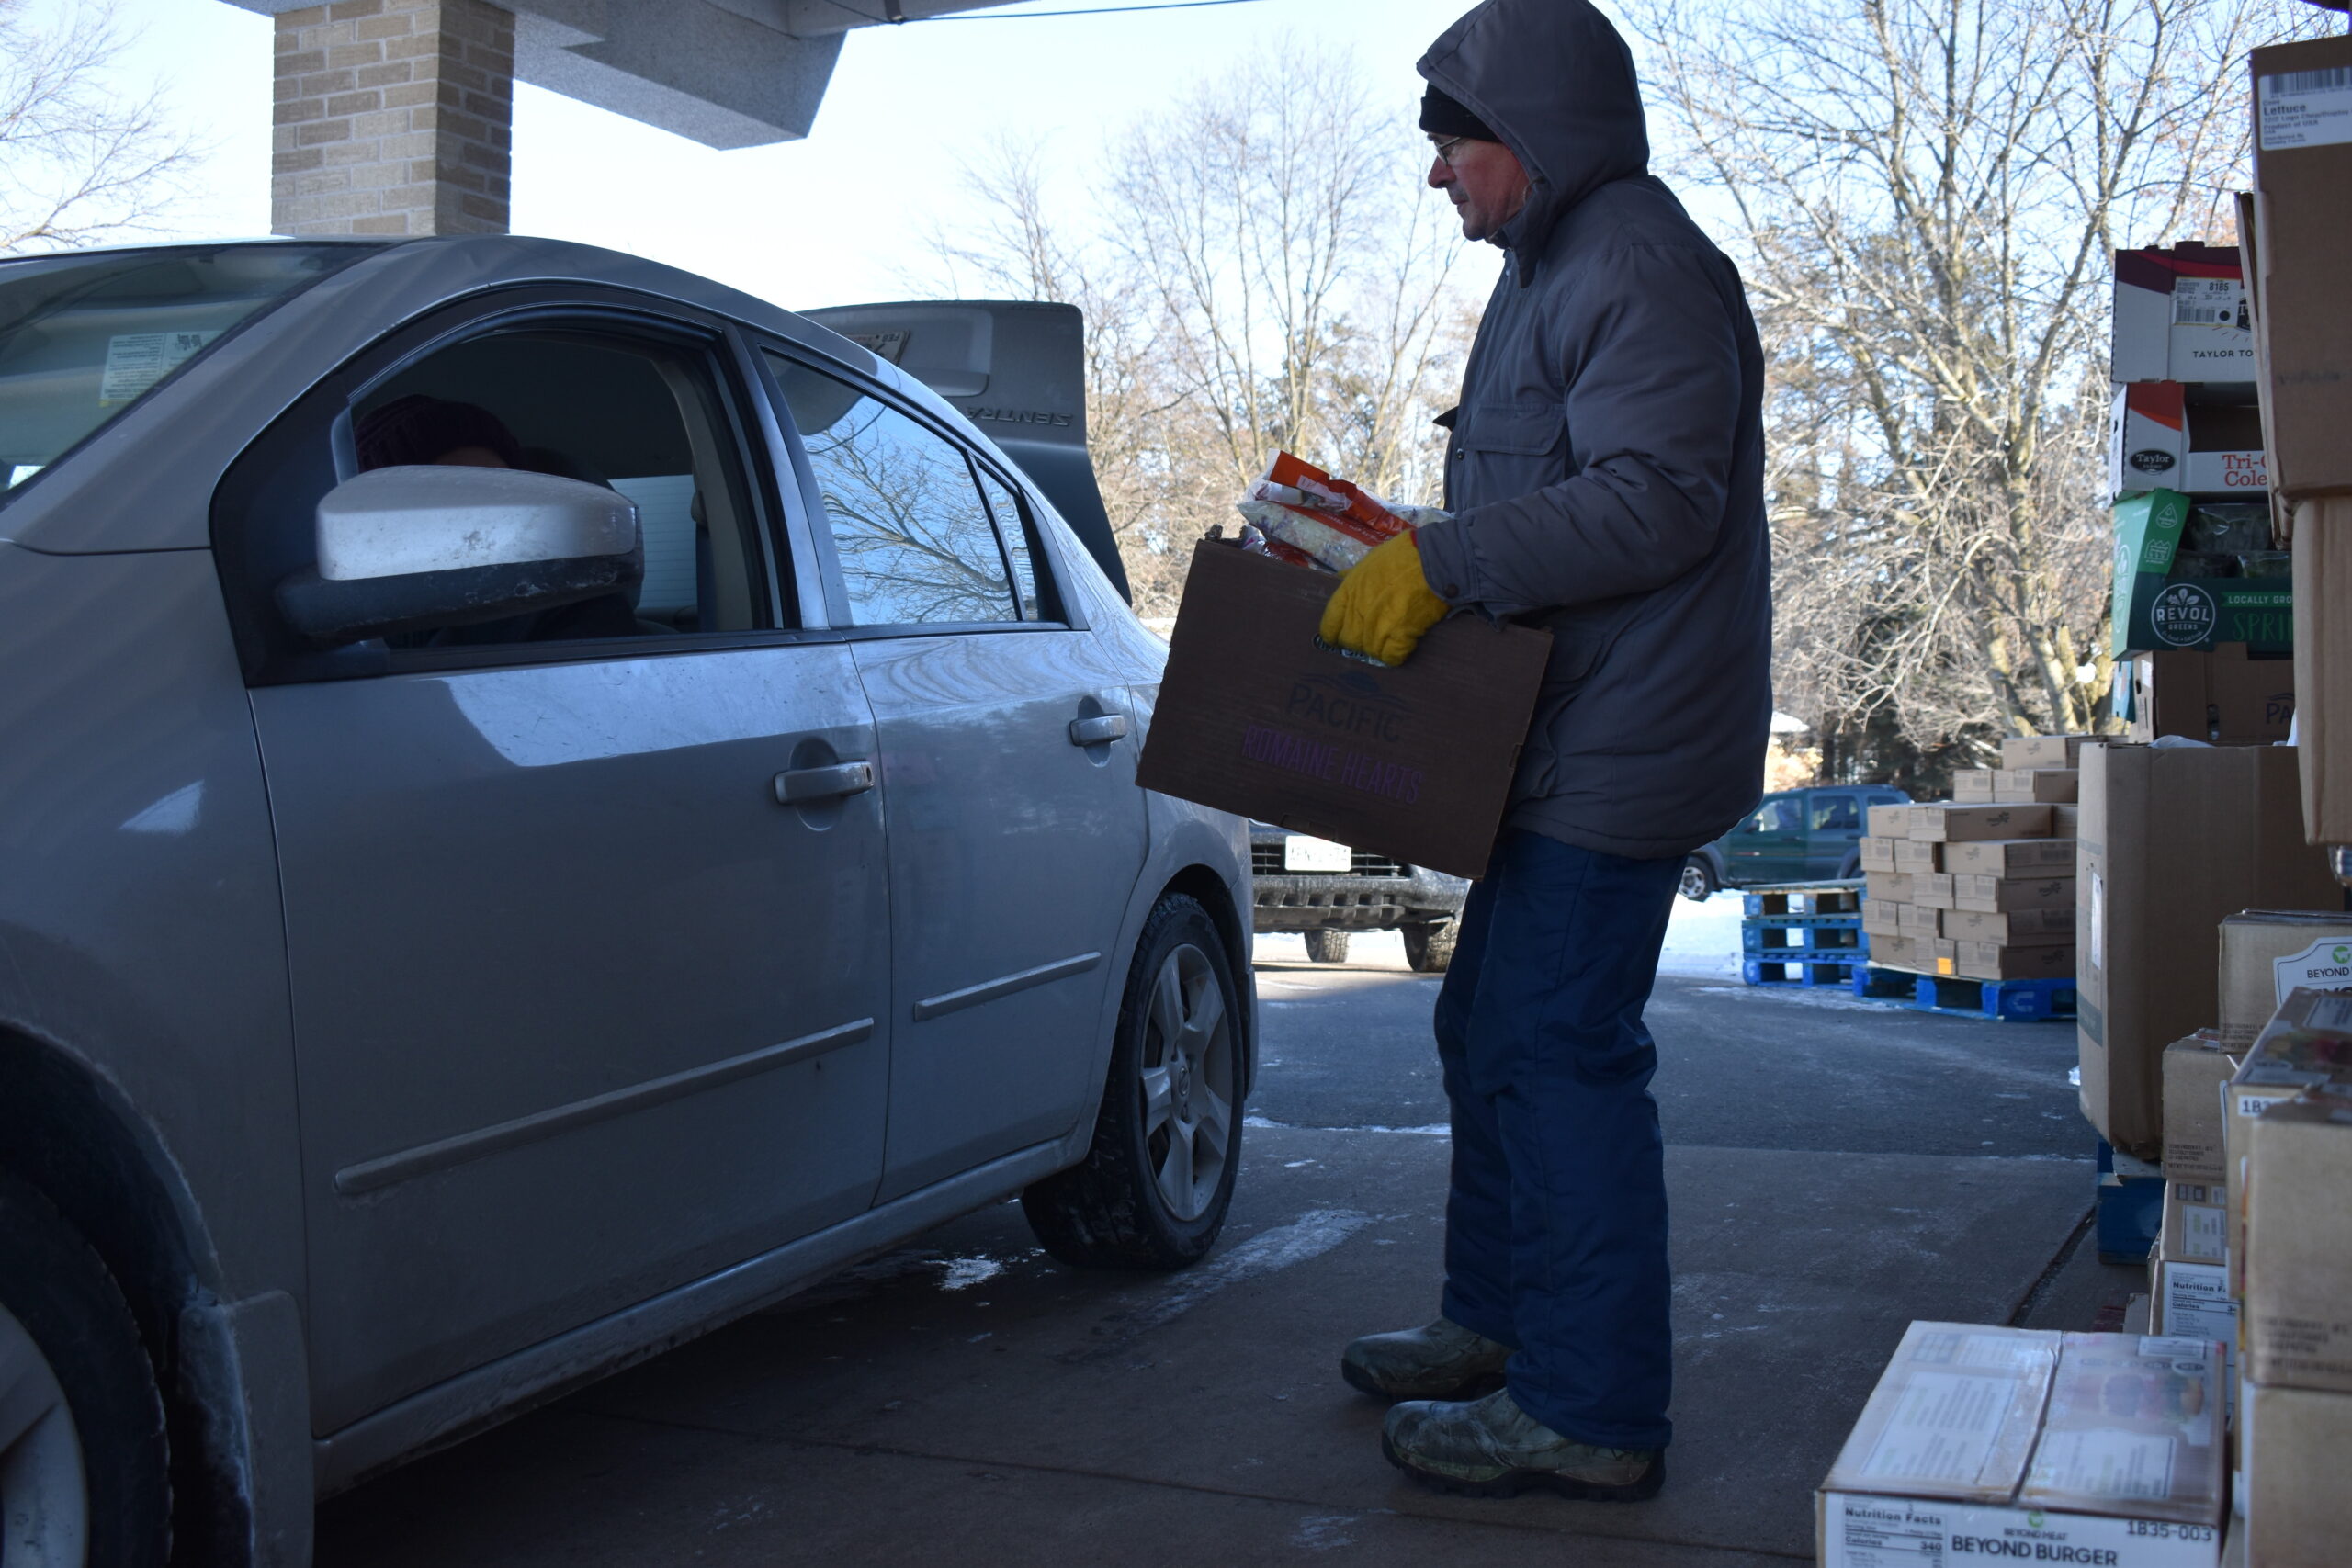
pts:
[2130, 1204]
[1792, 941]
[1815, 970]
[2013, 1001]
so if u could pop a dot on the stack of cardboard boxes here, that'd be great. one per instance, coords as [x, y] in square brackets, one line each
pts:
[1981, 886]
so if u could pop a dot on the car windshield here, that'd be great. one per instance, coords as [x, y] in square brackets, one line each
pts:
[83, 337]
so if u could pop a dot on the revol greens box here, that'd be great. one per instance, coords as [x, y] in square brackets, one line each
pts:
[2157, 607]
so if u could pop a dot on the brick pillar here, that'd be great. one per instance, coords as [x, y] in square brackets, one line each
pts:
[394, 117]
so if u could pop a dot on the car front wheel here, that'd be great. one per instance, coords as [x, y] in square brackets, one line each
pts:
[1327, 947]
[1154, 1188]
[84, 1472]
[1429, 946]
[1698, 882]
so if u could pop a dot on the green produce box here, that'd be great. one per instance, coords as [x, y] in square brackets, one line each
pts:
[2156, 610]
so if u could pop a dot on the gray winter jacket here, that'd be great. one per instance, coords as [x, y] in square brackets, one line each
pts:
[1606, 466]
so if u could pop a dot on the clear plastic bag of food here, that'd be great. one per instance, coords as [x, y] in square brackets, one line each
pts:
[1309, 517]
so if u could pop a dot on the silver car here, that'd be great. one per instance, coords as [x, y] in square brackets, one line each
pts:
[545, 804]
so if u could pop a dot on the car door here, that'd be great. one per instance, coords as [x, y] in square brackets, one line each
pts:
[1833, 823]
[584, 1010]
[1008, 776]
[1768, 846]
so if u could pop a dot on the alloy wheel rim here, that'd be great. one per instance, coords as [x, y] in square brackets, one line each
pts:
[45, 1500]
[1187, 1086]
[1695, 882]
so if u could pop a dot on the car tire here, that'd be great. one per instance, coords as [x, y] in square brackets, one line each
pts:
[1327, 947]
[1698, 882]
[1171, 1100]
[87, 1479]
[1429, 946]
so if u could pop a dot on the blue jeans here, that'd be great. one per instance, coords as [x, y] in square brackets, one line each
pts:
[1556, 1224]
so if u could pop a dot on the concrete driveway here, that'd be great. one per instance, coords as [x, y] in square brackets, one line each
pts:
[1838, 1168]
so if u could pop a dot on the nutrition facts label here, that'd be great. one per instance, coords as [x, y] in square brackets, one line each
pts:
[1868, 1540]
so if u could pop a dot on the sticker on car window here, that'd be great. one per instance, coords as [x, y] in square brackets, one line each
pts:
[136, 361]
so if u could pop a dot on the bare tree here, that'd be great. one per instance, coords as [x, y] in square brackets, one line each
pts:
[1924, 194]
[80, 160]
[1260, 268]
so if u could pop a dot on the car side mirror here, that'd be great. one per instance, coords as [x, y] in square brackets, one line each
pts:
[405, 548]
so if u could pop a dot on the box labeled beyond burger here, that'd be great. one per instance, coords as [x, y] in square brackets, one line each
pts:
[1256, 714]
[2010, 1444]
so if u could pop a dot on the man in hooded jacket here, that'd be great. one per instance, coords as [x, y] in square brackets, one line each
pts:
[1605, 480]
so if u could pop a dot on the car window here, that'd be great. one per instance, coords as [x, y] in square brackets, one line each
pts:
[1835, 814]
[1778, 815]
[640, 417]
[913, 535]
[1012, 525]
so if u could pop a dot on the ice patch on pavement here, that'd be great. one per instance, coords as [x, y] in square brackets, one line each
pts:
[1702, 940]
[1324, 1532]
[1311, 1235]
[1805, 995]
[962, 1273]
[1435, 1130]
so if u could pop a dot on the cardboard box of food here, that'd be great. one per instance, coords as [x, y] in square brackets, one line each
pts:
[1933, 890]
[1257, 715]
[2066, 821]
[2045, 751]
[1973, 786]
[2294, 1509]
[1888, 821]
[1994, 961]
[2156, 438]
[2180, 315]
[2306, 1046]
[2298, 1241]
[2006, 895]
[2195, 1069]
[2303, 167]
[2267, 954]
[1940, 822]
[2157, 606]
[1896, 953]
[2194, 1226]
[2019, 928]
[1893, 886]
[1876, 854]
[2323, 665]
[2225, 696]
[1916, 857]
[1917, 919]
[2174, 840]
[2011, 857]
[2014, 785]
[2093, 1448]
[1880, 918]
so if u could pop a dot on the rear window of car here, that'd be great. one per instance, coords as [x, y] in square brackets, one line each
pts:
[84, 337]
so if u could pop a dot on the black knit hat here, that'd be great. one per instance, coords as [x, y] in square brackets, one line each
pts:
[418, 429]
[1442, 115]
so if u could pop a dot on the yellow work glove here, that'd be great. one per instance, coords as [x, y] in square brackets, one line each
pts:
[1383, 606]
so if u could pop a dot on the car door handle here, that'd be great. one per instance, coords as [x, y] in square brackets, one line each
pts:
[1098, 731]
[801, 786]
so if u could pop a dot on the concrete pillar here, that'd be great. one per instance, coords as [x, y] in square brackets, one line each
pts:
[394, 117]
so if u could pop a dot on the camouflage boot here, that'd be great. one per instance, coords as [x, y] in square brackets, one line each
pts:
[1435, 1362]
[1490, 1448]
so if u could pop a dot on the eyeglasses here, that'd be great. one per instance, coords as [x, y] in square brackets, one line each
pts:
[1444, 149]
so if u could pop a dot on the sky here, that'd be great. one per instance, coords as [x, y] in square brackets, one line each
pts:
[840, 217]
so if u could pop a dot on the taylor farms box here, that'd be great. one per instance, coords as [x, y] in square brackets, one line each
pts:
[2174, 840]
[1890, 886]
[2196, 1070]
[2302, 244]
[1917, 857]
[2225, 696]
[2007, 894]
[2157, 606]
[2011, 857]
[1880, 918]
[1932, 889]
[1941, 823]
[1997, 961]
[2294, 1506]
[2181, 315]
[1875, 854]
[2018, 784]
[2157, 439]
[2269, 953]
[1257, 715]
[2045, 751]
[2298, 1242]
[2008, 1444]
[1917, 921]
[2019, 928]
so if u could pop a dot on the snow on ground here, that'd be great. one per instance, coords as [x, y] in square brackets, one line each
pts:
[1702, 941]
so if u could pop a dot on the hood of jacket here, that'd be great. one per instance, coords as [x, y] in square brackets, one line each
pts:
[1556, 83]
